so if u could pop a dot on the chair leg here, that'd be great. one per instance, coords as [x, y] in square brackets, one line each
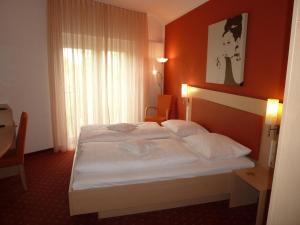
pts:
[22, 175]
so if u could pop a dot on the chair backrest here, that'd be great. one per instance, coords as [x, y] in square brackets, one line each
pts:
[164, 102]
[21, 136]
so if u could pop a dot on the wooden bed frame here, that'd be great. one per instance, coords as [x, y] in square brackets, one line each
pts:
[144, 197]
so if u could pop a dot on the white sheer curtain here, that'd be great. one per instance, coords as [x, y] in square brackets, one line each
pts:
[156, 50]
[97, 66]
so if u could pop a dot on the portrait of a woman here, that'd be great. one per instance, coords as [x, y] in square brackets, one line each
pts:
[226, 51]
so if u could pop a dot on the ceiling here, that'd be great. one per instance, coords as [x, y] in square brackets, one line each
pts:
[164, 10]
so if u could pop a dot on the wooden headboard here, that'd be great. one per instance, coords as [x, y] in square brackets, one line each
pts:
[238, 117]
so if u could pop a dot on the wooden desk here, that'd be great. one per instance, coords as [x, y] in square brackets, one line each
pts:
[250, 184]
[7, 133]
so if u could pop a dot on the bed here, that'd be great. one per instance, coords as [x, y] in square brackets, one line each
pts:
[174, 178]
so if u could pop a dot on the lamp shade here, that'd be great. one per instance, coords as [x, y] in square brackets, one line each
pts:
[184, 90]
[272, 111]
[162, 60]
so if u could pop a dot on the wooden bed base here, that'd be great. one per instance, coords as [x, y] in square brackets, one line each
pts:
[145, 197]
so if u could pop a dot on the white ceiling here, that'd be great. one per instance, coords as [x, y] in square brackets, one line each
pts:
[164, 10]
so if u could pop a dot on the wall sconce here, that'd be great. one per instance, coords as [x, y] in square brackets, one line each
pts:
[184, 90]
[185, 96]
[273, 114]
[159, 75]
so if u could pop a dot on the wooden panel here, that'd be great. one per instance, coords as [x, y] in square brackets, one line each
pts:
[259, 177]
[126, 199]
[244, 127]
[161, 206]
[253, 105]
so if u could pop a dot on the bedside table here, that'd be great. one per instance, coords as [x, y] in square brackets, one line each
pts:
[250, 184]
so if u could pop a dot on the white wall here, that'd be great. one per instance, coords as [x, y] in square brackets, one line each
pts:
[285, 197]
[156, 29]
[23, 67]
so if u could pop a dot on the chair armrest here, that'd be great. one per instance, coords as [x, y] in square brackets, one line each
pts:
[149, 107]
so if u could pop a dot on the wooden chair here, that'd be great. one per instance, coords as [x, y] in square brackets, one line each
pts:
[163, 109]
[14, 158]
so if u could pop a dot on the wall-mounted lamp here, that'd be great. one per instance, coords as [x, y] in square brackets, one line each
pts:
[159, 75]
[185, 96]
[184, 90]
[273, 114]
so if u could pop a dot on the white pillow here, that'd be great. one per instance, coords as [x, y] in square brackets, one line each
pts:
[122, 127]
[183, 128]
[216, 146]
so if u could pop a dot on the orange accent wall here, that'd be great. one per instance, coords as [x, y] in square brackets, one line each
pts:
[267, 45]
[244, 127]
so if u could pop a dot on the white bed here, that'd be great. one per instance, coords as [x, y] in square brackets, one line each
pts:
[188, 170]
[106, 164]
[129, 156]
[114, 180]
[100, 133]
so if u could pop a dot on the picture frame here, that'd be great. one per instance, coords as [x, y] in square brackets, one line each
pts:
[226, 51]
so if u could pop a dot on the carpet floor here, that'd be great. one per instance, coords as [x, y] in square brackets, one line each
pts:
[46, 201]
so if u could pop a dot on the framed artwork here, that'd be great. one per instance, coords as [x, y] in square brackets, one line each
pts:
[226, 51]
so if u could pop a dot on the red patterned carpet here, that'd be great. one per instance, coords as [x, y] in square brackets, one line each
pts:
[46, 201]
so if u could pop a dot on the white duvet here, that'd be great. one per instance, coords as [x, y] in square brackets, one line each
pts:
[116, 156]
[100, 133]
[201, 167]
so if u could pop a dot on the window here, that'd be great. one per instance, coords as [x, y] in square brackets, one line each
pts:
[96, 88]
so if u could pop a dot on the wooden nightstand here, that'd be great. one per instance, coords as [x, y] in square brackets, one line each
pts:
[250, 184]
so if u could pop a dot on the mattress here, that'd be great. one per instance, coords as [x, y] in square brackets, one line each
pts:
[104, 166]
